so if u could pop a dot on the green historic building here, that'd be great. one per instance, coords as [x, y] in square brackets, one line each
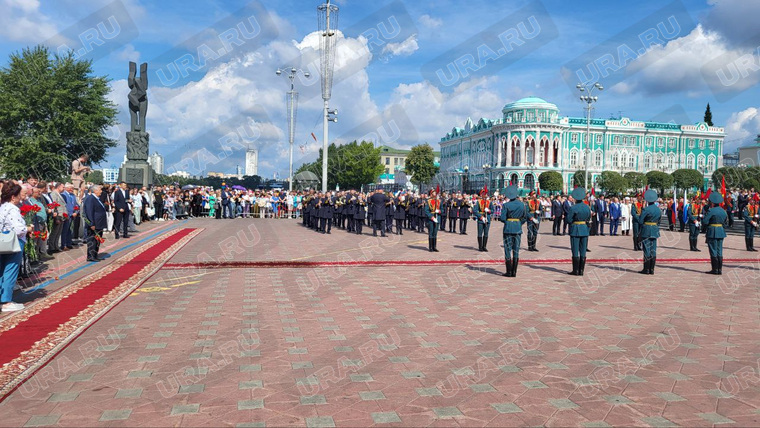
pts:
[531, 137]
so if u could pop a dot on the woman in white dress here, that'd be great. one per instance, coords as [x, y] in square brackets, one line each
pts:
[625, 216]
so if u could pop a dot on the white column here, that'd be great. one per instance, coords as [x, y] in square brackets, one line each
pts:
[497, 140]
[550, 155]
[522, 148]
[509, 149]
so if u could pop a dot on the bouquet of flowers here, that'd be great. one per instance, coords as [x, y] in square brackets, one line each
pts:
[29, 212]
[100, 239]
[53, 206]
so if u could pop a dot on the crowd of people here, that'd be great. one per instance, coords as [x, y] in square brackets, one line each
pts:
[53, 217]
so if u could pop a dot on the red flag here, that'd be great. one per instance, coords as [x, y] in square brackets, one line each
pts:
[485, 188]
[707, 195]
[647, 188]
[723, 190]
[593, 193]
[539, 192]
[438, 189]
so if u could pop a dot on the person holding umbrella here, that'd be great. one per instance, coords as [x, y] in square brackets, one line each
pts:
[578, 217]
[649, 228]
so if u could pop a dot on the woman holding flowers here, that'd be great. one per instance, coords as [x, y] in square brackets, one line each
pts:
[12, 222]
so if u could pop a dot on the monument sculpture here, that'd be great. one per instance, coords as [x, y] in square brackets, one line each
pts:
[136, 171]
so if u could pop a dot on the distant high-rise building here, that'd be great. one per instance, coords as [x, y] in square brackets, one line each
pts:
[239, 171]
[157, 162]
[110, 175]
[251, 162]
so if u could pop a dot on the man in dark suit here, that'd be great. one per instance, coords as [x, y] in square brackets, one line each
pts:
[601, 208]
[557, 215]
[226, 209]
[95, 221]
[377, 206]
[121, 217]
[569, 202]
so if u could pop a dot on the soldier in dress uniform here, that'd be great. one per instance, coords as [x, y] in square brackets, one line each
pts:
[578, 218]
[307, 208]
[315, 204]
[349, 210]
[400, 213]
[421, 216]
[513, 215]
[444, 211]
[694, 213]
[636, 208]
[340, 208]
[432, 211]
[389, 211]
[481, 213]
[464, 214]
[454, 212]
[534, 206]
[649, 229]
[751, 217]
[715, 218]
[360, 213]
[412, 212]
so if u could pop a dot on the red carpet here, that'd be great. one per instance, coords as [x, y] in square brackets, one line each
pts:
[28, 332]
[315, 264]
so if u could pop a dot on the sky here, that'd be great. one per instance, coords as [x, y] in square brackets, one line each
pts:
[405, 72]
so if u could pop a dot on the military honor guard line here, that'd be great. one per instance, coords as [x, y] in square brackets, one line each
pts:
[350, 210]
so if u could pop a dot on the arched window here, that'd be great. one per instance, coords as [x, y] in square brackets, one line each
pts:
[513, 179]
[573, 158]
[501, 181]
[660, 161]
[671, 162]
[690, 161]
[598, 158]
[711, 163]
[615, 160]
[648, 162]
[529, 181]
[701, 162]
[632, 161]
[530, 152]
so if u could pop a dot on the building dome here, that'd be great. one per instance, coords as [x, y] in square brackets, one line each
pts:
[530, 110]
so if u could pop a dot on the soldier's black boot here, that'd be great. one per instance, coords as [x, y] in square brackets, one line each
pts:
[515, 262]
[485, 243]
[581, 266]
[576, 261]
[480, 243]
[508, 265]
[645, 270]
[651, 265]
[752, 244]
[719, 265]
[435, 244]
[430, 244]
[713, 263]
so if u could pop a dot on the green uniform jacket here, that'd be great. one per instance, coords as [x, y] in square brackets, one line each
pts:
[514, 214]
[578, 216]
[747, 219]
[428, 214]
[717, 215]
[649, 220]
[476, 214]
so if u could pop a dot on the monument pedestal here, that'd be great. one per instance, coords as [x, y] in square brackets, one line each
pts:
[136, 171]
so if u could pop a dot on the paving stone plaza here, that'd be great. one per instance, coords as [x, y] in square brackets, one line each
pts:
[265, 323]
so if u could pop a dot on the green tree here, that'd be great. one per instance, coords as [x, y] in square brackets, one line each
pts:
[94, 177]
[420, 164]
[708, 116]
[579, 179]
[687, 178]
[659, 180]
[612, 182]
[753, 176]
[52, 110]
[349, 165]
[636, 180]
[734, 176]
[550, 181]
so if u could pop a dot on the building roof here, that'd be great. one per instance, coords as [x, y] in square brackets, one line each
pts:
[529, 102]
[387, 150]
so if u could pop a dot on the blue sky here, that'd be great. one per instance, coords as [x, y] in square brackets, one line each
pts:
[387, 89]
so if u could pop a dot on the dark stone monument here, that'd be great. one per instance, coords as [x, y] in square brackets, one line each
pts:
[136, 171]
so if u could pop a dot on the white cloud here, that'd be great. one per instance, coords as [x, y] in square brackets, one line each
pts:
[430, 22]
[742, 127]
[128, 53]
[736, 20]
[22, 21]
[405, 48]
[684, 65]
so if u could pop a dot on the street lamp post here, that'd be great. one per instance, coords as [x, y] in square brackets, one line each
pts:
[327, 15]
[466, 177]
[589, 99]
[292, 109]
[488, 168]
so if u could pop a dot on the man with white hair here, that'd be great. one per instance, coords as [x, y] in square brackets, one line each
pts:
[94, 213]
